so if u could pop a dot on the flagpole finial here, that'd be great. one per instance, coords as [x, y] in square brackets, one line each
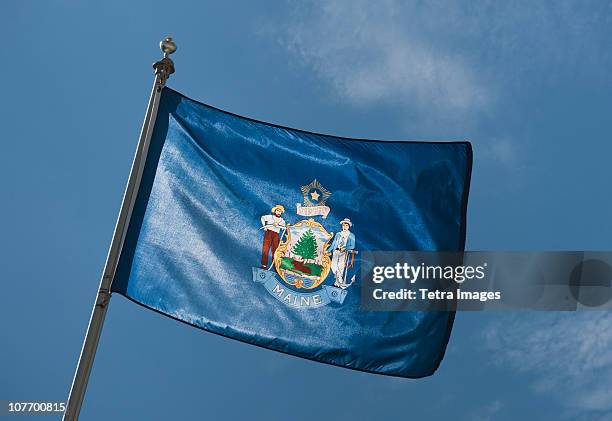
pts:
[167, 46]
[164, 67]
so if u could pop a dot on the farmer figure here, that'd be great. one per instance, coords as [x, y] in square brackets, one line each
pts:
[272, 225]
[342, 244]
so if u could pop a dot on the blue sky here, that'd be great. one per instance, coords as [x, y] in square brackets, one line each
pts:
[527, 82]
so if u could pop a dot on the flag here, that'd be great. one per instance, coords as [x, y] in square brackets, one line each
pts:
[254, 231]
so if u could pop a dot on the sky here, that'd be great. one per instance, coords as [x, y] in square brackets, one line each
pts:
[528, 83]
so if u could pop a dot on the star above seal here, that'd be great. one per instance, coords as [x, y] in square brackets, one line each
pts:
[315, 194]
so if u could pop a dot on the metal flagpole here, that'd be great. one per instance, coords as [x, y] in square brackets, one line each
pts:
[163, 69]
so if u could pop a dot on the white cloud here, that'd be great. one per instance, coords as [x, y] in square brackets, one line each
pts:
[446, 57]
[369, 53]
[488, 412]
[568, 354]
[500, 150]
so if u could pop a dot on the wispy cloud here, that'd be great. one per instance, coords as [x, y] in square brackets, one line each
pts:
[370, 54]
[447, 57]
[488, 412]
[569, 356]
[501, 150]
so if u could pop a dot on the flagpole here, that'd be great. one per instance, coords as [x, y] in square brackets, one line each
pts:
[163, 69]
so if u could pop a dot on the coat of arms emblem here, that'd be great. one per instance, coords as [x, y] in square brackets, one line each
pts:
[302, 259]
[305, 252]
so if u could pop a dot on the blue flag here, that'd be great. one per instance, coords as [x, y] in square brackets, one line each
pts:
[254, 231]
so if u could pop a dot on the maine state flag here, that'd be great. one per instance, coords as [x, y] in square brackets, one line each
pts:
[254, 231]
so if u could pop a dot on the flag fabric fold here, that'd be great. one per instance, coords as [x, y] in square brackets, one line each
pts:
[254, 231]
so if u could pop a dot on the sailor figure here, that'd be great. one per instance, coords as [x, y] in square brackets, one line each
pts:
[342, 244]
[272, 225]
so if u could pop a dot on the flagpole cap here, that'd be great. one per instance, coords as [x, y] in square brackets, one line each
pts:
[164, 67]
[167, 46]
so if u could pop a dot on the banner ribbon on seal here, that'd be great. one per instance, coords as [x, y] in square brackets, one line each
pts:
[326, 295]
